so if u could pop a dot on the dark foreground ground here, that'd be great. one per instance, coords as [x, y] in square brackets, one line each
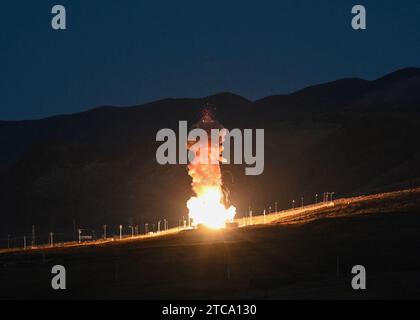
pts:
[308, 259]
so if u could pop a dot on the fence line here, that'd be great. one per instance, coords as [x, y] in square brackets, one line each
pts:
[69, 244]
[254, 220]
[288, 213]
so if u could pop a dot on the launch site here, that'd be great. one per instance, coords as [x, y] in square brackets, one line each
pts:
[298, 253]
[209, 159]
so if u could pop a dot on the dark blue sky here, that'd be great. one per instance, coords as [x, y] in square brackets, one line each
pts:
[131, 52]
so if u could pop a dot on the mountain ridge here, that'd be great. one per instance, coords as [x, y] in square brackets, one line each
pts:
[99, 166]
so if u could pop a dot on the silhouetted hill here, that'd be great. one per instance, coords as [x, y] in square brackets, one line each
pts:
[97, 167]
[395, 77]
[346, 93]
[108, 125]
[402, 95]
[321, 98]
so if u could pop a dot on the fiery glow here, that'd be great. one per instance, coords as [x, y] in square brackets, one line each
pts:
[207, 206]
[208, 209]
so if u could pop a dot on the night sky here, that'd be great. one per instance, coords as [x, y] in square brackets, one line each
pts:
[131, 52]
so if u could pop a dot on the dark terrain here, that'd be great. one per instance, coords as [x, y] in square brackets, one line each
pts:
[349, 136]
[294, 258]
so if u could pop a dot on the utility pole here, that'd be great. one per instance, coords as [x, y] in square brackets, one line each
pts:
[105, 231]
[80, 235]
[33, 236]
[264, 216]
[120, 231]
[51, 239]
[250, 217]
[158, 226]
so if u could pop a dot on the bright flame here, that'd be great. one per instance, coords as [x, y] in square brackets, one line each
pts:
[207, 207]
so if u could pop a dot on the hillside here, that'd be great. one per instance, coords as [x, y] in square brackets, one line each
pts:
[348, 136]
[299, 257]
